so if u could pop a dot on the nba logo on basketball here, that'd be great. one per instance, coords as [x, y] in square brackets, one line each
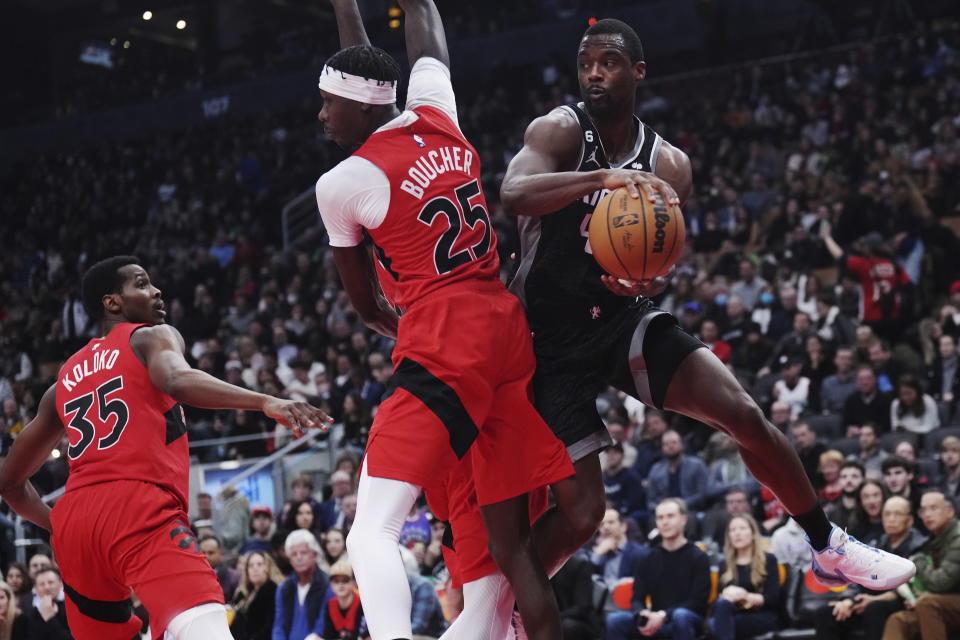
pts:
[629, 219]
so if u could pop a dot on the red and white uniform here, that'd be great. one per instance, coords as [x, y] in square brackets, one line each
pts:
[464, 356]
[878, 277]
[122, 521]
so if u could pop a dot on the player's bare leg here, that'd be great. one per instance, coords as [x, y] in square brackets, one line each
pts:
[568, 525]
[511, 545]
[703, 389]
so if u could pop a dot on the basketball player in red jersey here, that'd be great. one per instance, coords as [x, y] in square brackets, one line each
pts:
[463, 359]
[122, 522]
[589, 334]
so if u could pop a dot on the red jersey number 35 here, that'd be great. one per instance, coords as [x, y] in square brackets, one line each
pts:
[455, 210]
[79, 412]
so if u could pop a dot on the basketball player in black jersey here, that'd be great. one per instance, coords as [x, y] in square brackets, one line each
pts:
[591, 330]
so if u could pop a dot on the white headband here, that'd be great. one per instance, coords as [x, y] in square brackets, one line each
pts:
[357, 88]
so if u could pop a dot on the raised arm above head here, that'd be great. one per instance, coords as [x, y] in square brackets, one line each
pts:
[349, 23]
[424, 31]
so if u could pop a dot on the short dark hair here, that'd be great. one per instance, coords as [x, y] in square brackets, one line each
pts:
[49, 570]
[367, 62]
[214, 538]
[952, 501]
[612, 26]
[896, 461]
[854, 464]
[100, 279]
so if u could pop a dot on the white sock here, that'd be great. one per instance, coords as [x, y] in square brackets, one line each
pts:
[373, 547]
[487, 611]
[205, 622]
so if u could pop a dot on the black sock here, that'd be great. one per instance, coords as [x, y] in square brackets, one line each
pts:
[817, 527]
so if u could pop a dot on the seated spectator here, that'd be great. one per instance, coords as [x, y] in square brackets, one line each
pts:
[829, 468]
[19, 580]
[710, 336]
[865, 609]
[840, 509]
[816, 366]
[253, 601]
[301, 516]
[624, 488]
[728, 470]
[913, 410]
[334, 549]
[871, 456]
[261, 522]
[12, 622]
[573, 588]
[898, 480]
[937, 609]
[789, 544]
[736, 503]
[204, 508]
[677, 475]
[426, 613]
[809, 450]
[835, 389]
[949, 467]
[868, 404]
[781, 415]
[942, 379]
[749, 585]
[301, 598]
[348, 511]
[343, 616]
[793, 388]
[613, 555]
[866, 521]
[229, 578]
[416, 530]
[618, 433]
[232, 520]
[342, 485]
[46, 619]
[301, 490]
[675, 576]
[649, 449]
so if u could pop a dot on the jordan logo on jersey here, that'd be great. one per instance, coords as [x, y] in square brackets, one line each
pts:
[592, 158]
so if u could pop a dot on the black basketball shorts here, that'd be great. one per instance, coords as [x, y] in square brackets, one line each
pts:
[637, 352]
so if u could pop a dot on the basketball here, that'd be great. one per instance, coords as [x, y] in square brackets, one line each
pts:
[634, 238]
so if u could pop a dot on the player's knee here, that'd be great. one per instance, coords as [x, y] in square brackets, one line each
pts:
[745, 421]
[586, 518]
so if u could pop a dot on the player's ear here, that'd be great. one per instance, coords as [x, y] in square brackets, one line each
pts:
[111, 302]
[640, 70]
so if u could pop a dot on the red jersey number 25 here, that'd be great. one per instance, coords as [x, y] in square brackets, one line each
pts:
[460, 208]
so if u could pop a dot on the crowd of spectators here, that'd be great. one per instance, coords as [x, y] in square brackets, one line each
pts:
[821, 268]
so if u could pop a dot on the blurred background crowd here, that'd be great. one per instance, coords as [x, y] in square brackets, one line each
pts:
[822, 267]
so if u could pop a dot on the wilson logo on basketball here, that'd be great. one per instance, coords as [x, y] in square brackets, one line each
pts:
[623, 221]
[660, 235]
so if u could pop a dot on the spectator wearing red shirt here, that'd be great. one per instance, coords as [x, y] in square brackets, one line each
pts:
[882, 282]
[710, 336]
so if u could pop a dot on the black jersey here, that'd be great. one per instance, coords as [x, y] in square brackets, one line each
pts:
[558, 279]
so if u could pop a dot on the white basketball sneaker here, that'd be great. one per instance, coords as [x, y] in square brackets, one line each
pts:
[847, 560]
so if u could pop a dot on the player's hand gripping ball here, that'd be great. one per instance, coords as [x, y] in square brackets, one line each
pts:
[636, 238]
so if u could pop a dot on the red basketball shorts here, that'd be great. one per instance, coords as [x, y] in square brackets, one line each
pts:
[463, 364]
[114, 536]
[466, 546]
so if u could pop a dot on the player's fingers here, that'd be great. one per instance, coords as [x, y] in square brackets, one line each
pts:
[632, 188]
[651, 191]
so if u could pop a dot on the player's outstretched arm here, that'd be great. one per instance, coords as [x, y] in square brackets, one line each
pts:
[349, 23]
[31, 448]
[540, 178]
[423, 30]
[360, 282]
[161, 349]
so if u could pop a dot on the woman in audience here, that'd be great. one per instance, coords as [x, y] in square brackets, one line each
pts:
[301, 516]
[253, 602]
[866, 521]
[11, 625]
[912, 409]
[19, 580]
[334, 549]
[749, 585]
